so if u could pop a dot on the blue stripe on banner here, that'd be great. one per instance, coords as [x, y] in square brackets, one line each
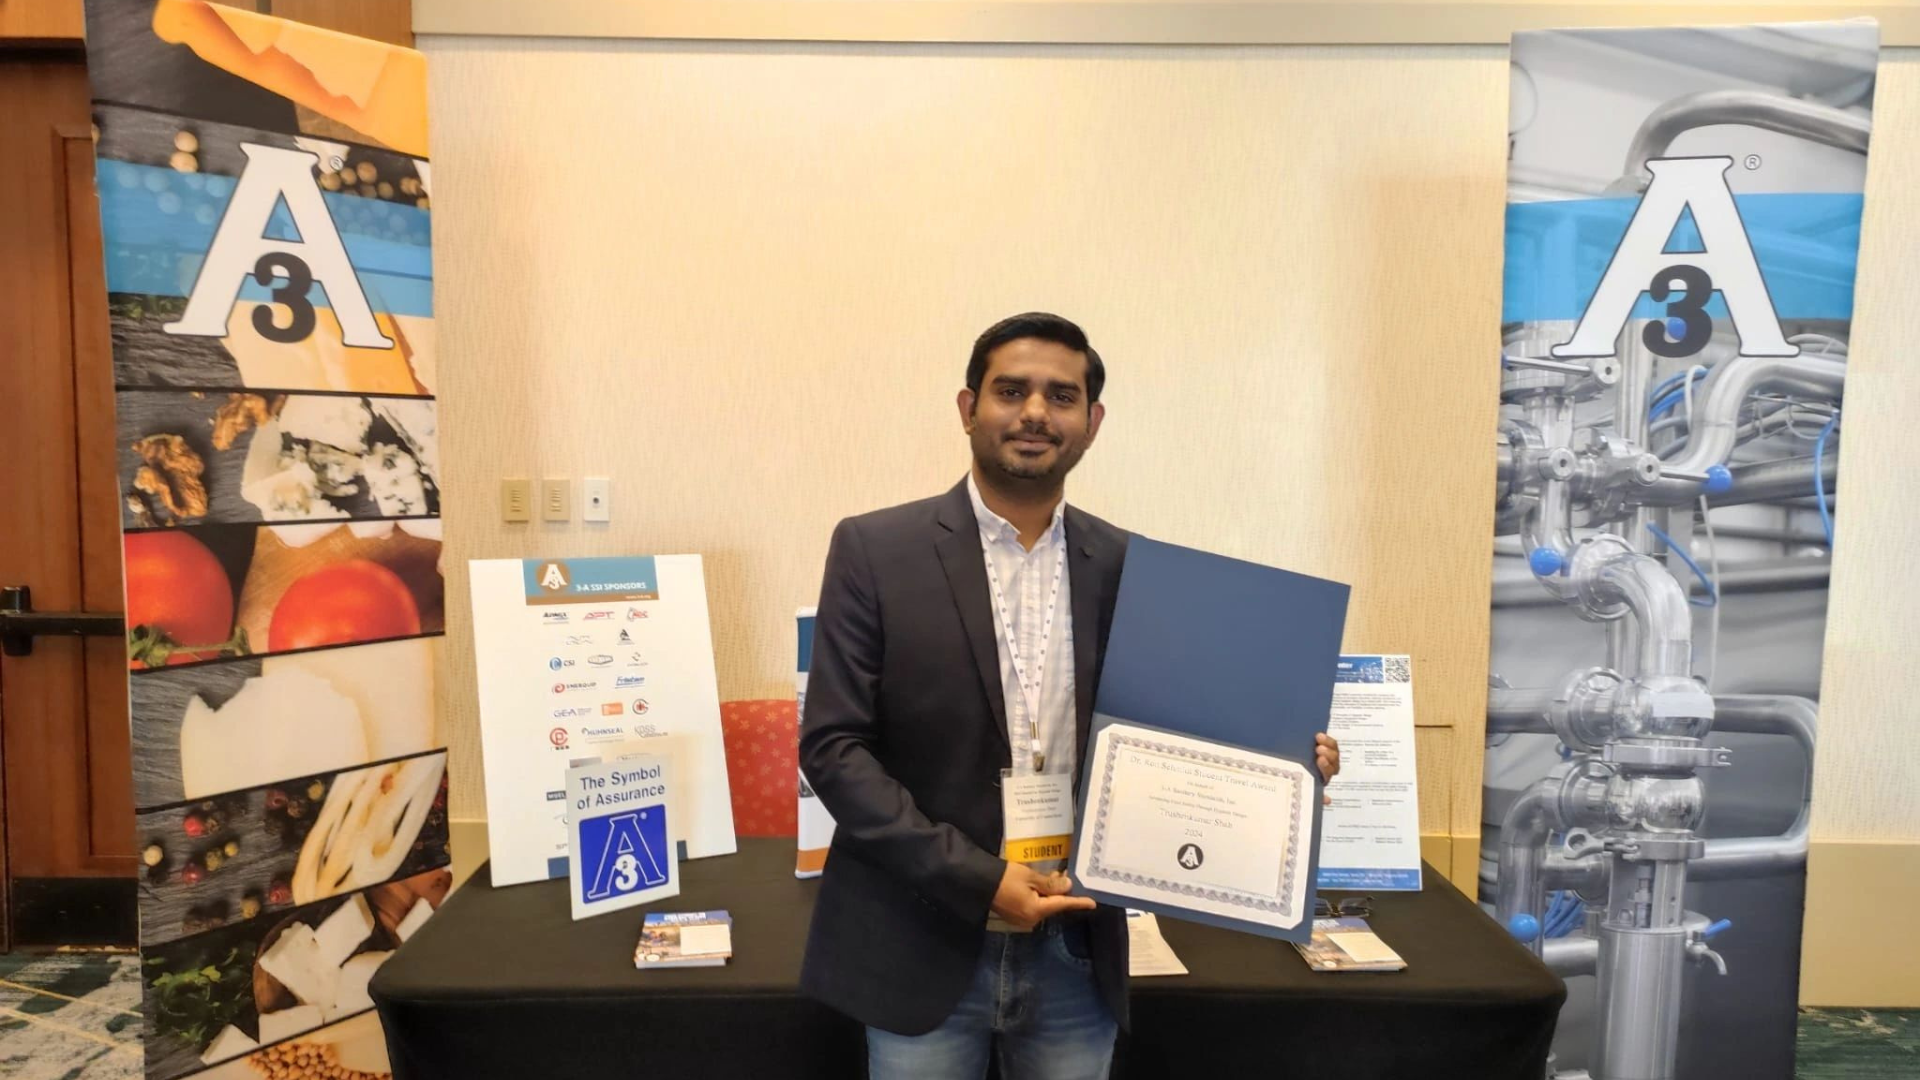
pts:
[1806, 244]
[1381, 880]
[158, 224]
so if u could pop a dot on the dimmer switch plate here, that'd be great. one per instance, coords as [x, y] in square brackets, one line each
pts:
[554, 503]
[516, 500]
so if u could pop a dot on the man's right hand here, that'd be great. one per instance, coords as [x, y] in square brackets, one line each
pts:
[1025, 897]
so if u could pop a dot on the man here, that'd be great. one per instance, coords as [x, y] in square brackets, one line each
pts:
[956, 650]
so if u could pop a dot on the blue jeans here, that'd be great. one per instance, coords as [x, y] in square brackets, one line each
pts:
[1033, 1004]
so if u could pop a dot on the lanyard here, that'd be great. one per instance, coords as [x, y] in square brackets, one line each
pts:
[1029, 687]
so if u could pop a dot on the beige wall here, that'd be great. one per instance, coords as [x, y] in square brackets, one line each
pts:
[740, 280]
[1865, 784]
[1133, 22]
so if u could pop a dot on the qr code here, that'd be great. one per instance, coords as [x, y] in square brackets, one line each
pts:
[1396, 669]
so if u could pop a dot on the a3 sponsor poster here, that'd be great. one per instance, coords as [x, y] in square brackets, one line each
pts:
[266, 228]
[585, 660]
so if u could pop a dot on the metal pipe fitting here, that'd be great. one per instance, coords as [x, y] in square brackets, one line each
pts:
[1771, 112]
[1586, 875]
[1523, 839]
[1519, 710]
[1641, 585]
[1595, 707]
[1758, 575]
[1580, 711]
[1640, 970]
[1547, 531]
[1778, 479]
[1716, 413]
[1750, 856]
[1661, 707]
[1657, 804]
[1570, 956]
[1765, 481]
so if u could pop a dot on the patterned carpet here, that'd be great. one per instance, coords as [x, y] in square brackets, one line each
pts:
[69, 1015]
[73, 1016]
[1851, 1044]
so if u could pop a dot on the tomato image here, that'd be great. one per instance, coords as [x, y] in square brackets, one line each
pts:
[178, 594]
[353, 601]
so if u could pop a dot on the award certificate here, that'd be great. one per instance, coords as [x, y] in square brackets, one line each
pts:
[1197, 825]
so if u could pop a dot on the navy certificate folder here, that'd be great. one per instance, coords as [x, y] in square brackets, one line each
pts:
[1223, 650]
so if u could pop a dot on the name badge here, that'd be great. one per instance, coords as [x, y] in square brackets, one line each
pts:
[1038, 812]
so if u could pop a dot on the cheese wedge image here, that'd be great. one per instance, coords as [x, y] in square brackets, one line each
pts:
[278, 725]
[229, 1043]
[321, 361]
[377, 89]
[275, 1026]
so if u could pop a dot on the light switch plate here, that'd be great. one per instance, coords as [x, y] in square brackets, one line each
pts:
[516, 500]
[596, 499]
[554, 502]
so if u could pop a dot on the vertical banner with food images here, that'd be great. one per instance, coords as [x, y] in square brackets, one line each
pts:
[1683, 220]
[264, 193]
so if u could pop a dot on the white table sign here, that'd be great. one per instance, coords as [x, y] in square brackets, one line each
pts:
[585, 660]
[619, 826]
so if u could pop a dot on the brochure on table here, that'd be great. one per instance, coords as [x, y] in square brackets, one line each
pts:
[1370, 833]
[580, 661]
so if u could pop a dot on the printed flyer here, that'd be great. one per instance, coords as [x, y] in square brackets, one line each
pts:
[1370, 831]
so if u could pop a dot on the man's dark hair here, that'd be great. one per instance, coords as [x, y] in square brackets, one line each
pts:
[1045, 327]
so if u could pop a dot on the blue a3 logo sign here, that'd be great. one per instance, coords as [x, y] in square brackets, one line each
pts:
[623, 853]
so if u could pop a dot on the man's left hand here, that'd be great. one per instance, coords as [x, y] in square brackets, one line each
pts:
[1326, 754]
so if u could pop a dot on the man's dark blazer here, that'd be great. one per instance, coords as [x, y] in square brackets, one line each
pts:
[903, 740]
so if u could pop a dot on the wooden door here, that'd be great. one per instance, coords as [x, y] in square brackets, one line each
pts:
[66, 807]
[66, 798]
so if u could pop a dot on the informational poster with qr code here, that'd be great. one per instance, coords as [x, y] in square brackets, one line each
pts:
[1370, 833]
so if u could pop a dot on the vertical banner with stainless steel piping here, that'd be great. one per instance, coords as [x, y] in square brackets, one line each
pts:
[1683, 221]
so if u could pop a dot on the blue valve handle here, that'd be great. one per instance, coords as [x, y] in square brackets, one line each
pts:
[1715, 928]
[1544, 561]
[1523, 927]
[1719, 480]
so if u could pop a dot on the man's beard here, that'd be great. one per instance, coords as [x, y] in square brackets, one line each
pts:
[1027, 470]
[1012, 465]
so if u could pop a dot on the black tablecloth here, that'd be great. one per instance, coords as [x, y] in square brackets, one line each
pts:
[502, 984]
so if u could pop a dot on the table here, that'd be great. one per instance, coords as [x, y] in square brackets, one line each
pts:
[501, 983]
